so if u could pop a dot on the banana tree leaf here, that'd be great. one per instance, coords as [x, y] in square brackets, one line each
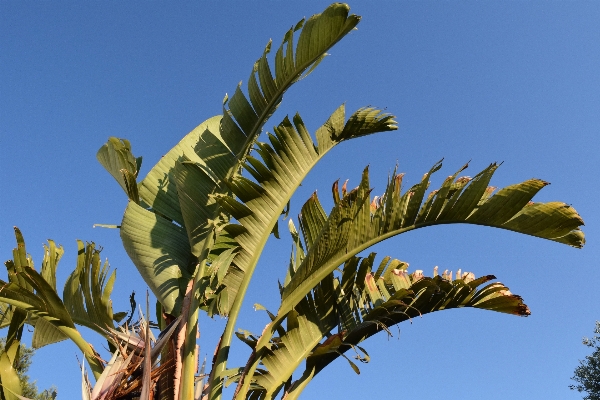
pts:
[46, 304]
[160, 250]
[44, 332]
[52, 255]
[190, 207]
[357, 223]
[116, 157]
[5, 315]
[245, 118]
[367, 307]
[86, 294]
[20, 260]
[286, 160]
[288, 157]
[11, 387]
[320, 33]
[158, 189]
[314, 318]
[236, 132]
[11, 384]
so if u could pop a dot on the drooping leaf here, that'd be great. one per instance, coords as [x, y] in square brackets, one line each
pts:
[45, 333]
[116, 157]
[5, 315]
[46, 304]
[360, 309]
[354, 226]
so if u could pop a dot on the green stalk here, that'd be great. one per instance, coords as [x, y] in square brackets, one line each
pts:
[190, 356]
[86, 348]
[216, 385]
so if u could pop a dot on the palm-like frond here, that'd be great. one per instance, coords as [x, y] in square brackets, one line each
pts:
[43, 333]
[357, 222]
[361, 301]
[15, 320]
[285, 160]
[396, 297]
[87, 291]
[45, 304]
[33, 296]
[243, 121]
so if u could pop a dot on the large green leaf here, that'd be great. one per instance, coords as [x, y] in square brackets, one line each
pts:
[357, 222]
[116, 157]
[162, 241]
[52, 255]
[158, 189]
[9, 378]
[87, 291]
[11, 384]
[285, 161]
[160, 251]
[32, 296]
[44, 332]
[46, 304]
[244, 120]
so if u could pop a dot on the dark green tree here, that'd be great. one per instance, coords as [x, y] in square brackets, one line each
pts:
[587, 374]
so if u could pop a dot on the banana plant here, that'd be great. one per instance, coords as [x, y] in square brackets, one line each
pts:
[196, 226]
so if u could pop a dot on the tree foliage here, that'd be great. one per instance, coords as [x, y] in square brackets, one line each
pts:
[587, 374]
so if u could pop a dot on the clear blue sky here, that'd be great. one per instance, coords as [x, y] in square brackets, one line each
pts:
[517, 82]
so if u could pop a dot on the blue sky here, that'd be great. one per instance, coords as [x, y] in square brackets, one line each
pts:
[513, 82]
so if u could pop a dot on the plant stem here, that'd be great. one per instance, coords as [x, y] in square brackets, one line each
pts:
[190, 360]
